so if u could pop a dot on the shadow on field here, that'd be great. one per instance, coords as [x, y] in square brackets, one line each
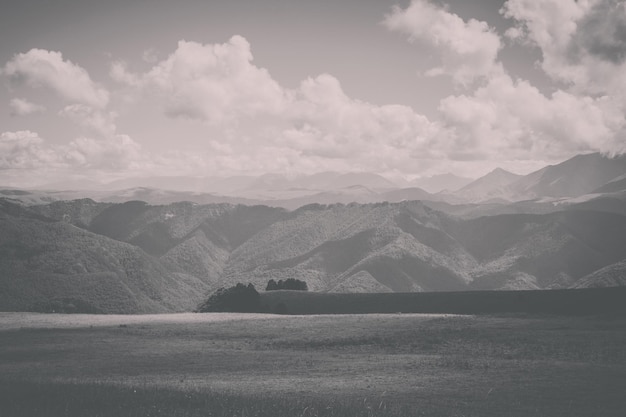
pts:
[571, 302]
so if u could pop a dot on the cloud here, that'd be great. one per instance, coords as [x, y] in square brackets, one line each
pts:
[96, 121]
[468, 49]
[151, 55]
[511, 119]
[216, 83]
[116, 153]
[23, 107]
[326, 123]
[40, 67]
[24, 150]
[602, 32]
[315, 124]
[583, 43]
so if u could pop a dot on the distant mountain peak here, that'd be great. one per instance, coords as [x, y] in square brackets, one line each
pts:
[441, 182]
[489, 186]
[501, 171]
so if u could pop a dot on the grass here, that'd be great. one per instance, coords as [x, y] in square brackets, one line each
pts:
[347, 365]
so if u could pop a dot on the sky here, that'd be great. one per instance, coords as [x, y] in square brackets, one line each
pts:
[136, 88]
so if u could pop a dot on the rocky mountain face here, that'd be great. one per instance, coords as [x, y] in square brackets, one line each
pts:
[134, 257]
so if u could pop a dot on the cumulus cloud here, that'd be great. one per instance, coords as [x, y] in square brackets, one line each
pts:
[216, 83]
[40, 67]
[325, 122]
[511, 119]
[114, 153]
[24, 150]
[23, 107]
[468, 49]
[96, 121]
[583, 43]
[315, 124]
[150, 55]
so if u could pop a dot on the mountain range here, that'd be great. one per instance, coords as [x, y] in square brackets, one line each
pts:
[563, 226]
[587, 176]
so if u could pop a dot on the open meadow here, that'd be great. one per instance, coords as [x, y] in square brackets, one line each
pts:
[326, 365]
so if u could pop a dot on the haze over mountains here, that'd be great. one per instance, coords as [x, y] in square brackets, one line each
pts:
[560, 227]
[580, 176]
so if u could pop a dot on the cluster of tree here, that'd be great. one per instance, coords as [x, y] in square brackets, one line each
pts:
[288, 284]
[240, 299]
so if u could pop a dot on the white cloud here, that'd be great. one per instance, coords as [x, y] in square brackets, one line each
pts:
[40, 67]
[316, 124]
[24, 150]
[96, 121]
[150, 55]
[468, 49]
[507, 119]
[583, 43]
[216, 83]
[115, 153]
[23, 107]
[326, 123]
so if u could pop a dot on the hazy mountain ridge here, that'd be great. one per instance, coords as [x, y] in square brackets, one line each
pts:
[492, 185]
[592, 175]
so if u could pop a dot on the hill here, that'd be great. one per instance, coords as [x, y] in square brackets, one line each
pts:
[47, 264]
[613, 275]
[135, 257]
[410, 247]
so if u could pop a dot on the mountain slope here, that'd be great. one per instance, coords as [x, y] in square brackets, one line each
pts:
[491, 185]
[613, 275]
[408, 247]
[442, 182]
[577, 176]
[133, 257]
[43, 260]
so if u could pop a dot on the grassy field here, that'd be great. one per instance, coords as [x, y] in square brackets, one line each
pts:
[334, 365]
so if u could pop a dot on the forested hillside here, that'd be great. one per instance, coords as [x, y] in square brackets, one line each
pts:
[134, 257]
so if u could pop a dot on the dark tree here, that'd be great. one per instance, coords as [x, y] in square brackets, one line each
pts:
[240, 298]
[288, 284]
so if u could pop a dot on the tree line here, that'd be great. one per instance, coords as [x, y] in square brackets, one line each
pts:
[243, 298]
[288, 284]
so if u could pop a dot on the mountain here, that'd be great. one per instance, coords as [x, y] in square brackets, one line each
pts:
[490, 186]
[613, 275]
[406, 194]
[442, 182]
[580, 175]
[615, 185]
[135, 257]
[47, 265]
[409, 247]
